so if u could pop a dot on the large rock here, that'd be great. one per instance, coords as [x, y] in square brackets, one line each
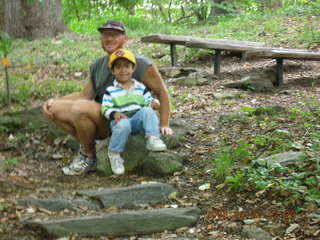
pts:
[163, 163]
[150, 193]
[255, 233]
[126, 223]
[2, 164]
[284, 159]
[58, 204]
[138, 159]
[176, 72]
[194, 79]
[263, 82]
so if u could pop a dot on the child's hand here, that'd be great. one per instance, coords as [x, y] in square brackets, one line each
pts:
[118, 116]
[155, 104]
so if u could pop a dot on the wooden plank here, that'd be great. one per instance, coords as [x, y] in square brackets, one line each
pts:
[229, 45]
[182, 40]
[166, 39]
[285, 53]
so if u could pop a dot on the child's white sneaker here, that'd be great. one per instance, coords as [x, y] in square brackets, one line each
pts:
[155, 144]
[116, 163]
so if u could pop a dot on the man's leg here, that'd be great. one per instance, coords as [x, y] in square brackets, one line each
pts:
[83, 120]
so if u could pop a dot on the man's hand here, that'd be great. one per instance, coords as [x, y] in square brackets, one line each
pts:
[118, 116]
[166, 130]
[46, 108]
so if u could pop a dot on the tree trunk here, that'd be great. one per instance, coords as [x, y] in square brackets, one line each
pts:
[216, 10]
[36, 20]
[271, 4]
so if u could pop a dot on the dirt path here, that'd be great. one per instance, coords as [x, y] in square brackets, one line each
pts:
[33, 172]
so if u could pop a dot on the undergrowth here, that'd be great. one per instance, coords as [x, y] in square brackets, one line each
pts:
[241, 167]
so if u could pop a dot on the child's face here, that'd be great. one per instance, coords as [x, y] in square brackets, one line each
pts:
[123, 70]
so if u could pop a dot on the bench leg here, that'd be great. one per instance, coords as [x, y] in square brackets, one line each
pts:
[279, 72]
[243, 57]
[173, 53]
[217, 61]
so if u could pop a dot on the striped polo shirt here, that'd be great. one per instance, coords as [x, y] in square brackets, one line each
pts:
[127, 101]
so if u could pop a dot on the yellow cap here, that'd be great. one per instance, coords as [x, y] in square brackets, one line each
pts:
[121, 53]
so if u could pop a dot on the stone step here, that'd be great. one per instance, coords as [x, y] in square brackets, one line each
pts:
[126, 223]
[149, 193]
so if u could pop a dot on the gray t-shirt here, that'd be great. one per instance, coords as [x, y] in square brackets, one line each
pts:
[101, 76]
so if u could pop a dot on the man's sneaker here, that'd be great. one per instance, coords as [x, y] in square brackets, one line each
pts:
[81, 164]
[155, 144]
[116, 162]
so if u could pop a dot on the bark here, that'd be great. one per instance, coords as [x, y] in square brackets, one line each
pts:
[35, 20]
[216, 10]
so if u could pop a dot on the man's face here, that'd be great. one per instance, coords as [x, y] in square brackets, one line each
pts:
[123, 70]
[112, 40]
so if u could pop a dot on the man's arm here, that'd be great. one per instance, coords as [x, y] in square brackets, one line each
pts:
[152, 79]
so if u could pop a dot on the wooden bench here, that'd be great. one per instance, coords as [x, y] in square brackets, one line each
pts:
[172, 40]
[284, 53]
[219, 45]
[246, 48]
[207, 43]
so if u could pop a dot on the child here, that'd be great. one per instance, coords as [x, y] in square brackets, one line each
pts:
[129, 105]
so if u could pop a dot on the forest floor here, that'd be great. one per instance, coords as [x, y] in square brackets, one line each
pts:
[36, 172]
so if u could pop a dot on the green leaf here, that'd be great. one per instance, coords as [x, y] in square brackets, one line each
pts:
[5, 43]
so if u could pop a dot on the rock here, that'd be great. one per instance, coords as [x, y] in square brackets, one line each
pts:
[234, 118]
[276, 229]
[31, 119]
[255, 233]
[137, 158]
[314, 216]
[58, 204]
[194, 79]
[284, 159]
[292, 228]
[150, 193]
[269, 110]
[126, 223]
[227, 95]
[262, 82]
[175, 72]
[2, 164]
[162, 163]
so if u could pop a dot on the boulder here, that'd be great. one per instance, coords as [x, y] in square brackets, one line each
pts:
[149, 193]
[284, 159]
[125, 223]
[255, 233]
[227, 95]
[175, 72]
[57, 204]
[2, 165]
[138, 159]
[263, 82]
[194, 79]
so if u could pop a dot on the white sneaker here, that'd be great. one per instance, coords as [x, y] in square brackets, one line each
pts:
[155, 144]
[116, 163]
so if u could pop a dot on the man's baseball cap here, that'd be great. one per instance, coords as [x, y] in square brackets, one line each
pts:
[121, 53]
[111, 24]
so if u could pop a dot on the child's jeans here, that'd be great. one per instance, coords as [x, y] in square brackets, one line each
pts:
[144, 120]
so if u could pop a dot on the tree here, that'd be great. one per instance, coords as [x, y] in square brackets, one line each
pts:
[31, 18]
[219, 7]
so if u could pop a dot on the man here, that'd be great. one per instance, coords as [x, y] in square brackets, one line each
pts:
[79, 113]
